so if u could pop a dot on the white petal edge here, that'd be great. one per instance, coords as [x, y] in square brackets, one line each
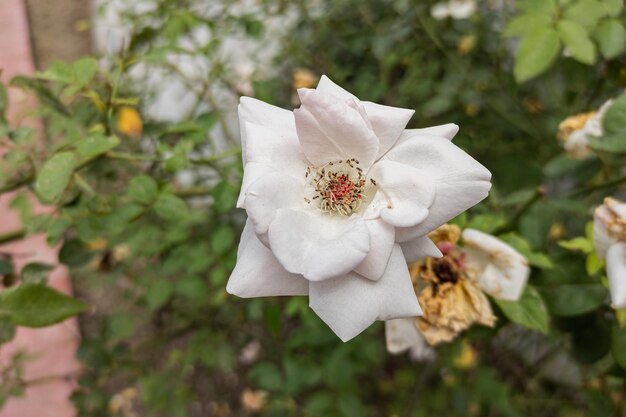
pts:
[350, 304]
[402, 335]
[382, 237]
[460, 181]
[388, 123]
[252, 171]
[259, 274]
[616, 272]
[419, 248]
[408, 194]
[447, 131]
[501, 270]
[317, 245]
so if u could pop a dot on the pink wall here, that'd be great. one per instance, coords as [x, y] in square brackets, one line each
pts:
[51, 374]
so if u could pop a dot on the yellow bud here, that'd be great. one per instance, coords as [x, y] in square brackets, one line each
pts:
[129, 122]
[97, 244]
[466, 359]
[303, 78]
[465, 45]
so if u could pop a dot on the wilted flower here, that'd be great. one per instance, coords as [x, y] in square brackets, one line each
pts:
[609, 235]
[451, 289]
[332, 191]
[456, 9]
[575, 131]
[253, 401]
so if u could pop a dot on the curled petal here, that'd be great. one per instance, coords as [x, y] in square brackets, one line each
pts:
[501, 270]
[318, 246]
[251, 172]
[460, 181]
[350, 303]
[381, 244]
[259, 274]
[331, 130]
[327, 86]
[408, 194]
[419, 248]
[270, 193]
[616, 272]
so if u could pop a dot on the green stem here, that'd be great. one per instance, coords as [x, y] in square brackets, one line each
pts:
[608, 184]
[12, 236]
[131, 156]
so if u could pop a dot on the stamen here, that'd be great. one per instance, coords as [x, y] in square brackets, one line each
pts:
[339, 186]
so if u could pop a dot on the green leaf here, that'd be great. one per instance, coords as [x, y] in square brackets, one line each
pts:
[170, 207]
[593, 264]
[611, 37]
[577, 244]
[35, 273]
[224, 196]
[4, 101]
[615, 143]
[546, 7]
[618, 345]
[6, 266]
[527, 23]
[37, 305]
[613, 7]
[266, 375]
[74, 253]
[54, 177]
[536, 53]
[222, 239]
[576, 39]
[158, 292]
[586, 12]
[614, 120]
[43, 93]
[487, 222]
[529, 310]
[84, 70]
[573, 299]
[143, 189]
[96, 144]
[7, 331]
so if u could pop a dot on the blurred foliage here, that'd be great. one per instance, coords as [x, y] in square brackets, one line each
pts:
[143, 208]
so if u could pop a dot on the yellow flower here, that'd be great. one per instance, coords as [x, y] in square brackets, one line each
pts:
[304, 78]
[466, 44]
[129, 122]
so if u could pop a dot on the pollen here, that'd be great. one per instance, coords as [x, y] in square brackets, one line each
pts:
[338, 187]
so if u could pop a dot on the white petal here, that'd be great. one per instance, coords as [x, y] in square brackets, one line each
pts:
[252, 171]
[270, 193]
[317, 245]
[258, 273]
[381, 244]
[408, 194]
[460, 181]
[608, 221]
[327, 86]
[447, 131]
[616, 272]
[402, 335]
[462, 9]
[388, 123]
[256, 111]
[330, 129]
[501, 270]
[419, 248]
[351, 303]
[277, 147]
[440, 11]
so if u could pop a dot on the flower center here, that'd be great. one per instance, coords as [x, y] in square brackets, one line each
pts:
[338, 187]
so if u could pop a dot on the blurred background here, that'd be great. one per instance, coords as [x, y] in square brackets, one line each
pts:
[143, 228]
